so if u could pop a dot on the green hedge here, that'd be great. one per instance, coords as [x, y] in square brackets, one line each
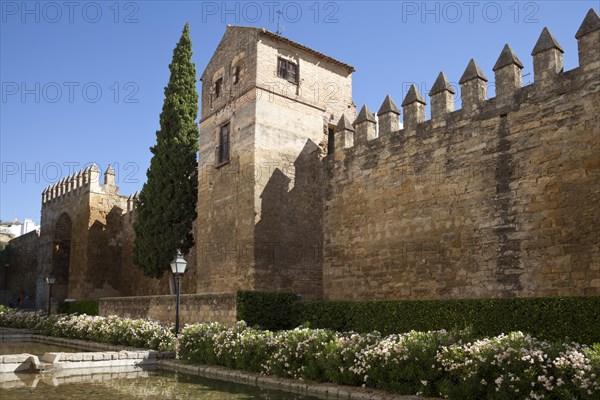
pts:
[268, 310]
[548, 318]
[89, 307]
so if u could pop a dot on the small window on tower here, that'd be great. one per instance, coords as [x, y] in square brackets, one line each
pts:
[330, 140]
[218, 87]
[236, 74]
[224, 143]
[287, 70]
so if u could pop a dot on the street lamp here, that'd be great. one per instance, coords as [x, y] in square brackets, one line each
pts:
[50, 280]
[178, 267]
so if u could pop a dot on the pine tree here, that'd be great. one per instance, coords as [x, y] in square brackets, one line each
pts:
[166, 207]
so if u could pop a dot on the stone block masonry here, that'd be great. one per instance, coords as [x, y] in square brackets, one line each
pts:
[297, 193]
[500, 198]
[194, 308]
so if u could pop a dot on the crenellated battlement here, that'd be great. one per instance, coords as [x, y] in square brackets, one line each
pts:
[81, 182]
[72, 185]
[548, 69]
[131, 201]
[499, 198]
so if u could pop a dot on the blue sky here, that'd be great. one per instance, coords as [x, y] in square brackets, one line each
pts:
[83, 81]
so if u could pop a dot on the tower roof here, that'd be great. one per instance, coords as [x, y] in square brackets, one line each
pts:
[387, 106]
[365, 115]
[263, 31]
[546, 42]
[413, 96]
[507, 57]
[441, 84]
[344, 125]
[590, 23]
[472, 72]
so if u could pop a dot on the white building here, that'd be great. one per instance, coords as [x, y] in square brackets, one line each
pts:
[15, 229]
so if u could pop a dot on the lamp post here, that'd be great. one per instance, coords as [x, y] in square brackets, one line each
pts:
[178, 266]
[50, 280]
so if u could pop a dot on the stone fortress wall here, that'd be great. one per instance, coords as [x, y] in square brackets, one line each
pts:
[86, 240]
[499, 198]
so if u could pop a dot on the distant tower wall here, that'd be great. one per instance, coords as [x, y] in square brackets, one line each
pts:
[81, 236]
[293, 118]
[260, 209]
[224, 230]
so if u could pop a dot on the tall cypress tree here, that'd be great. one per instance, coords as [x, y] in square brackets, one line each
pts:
[166, 207]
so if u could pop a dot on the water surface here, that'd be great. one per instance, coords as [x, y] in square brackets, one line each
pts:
[151, 385]
[38, 349]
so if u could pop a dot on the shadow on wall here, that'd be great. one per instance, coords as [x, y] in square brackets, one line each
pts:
[289, 235]
[129, 277]
[104, 255]
[18, 271]
[61, 257]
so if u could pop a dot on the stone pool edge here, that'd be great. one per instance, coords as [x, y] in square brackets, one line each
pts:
[21, 334]
[329, 390]
[98, 355]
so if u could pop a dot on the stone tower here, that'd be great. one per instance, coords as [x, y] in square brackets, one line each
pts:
[269, 109]
[80, 236]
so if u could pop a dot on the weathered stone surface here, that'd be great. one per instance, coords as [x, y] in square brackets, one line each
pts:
[413, 96]
[194, 308]
[472, 72]
[547, 58]
[590, 23]
[441, 84]
[497, 199]
[86, 241]
[344, 125]
[442, 97]
[507, 57]
[260, 213]
[545, 42]
[388, 106]
[21, 273]
[501, 202]
[364, 115]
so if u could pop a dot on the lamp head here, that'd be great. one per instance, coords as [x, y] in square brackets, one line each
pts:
[50, 279]
[178, 264]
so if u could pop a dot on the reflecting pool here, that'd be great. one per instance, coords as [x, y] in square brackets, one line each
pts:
[151, 385]
[13, 347]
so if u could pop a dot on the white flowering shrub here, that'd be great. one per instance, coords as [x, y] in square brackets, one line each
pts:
[436, 363]
[114, 330]
[403, 363]
[342, 354]
[518, 366]
[22, 319]
[299, 353]
[239, 347]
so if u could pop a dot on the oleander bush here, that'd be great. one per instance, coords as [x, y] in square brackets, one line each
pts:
[113, 330]
[433, 363]
[451, 364]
